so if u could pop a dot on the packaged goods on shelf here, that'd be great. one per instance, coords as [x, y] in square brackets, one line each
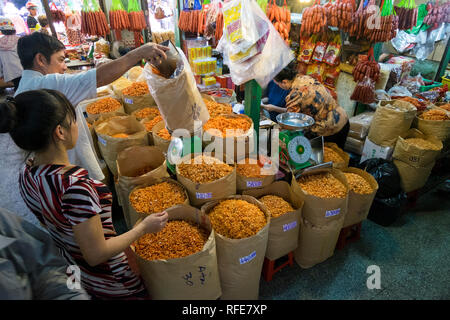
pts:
[360, 124]
[354, 145]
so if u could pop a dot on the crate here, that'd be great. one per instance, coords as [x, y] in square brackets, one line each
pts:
[446, 81]
[431, 86]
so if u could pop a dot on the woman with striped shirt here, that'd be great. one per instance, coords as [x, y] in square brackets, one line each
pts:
[75, 209]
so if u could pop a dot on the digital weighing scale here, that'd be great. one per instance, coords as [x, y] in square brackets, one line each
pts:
[296, 151]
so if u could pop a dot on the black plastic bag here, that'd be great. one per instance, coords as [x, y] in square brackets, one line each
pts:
[386, 211]
[387, 176]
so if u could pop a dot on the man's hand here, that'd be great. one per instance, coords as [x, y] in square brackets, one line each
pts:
[154, 53]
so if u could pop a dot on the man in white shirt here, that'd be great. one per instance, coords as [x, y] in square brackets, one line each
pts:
[42, 58]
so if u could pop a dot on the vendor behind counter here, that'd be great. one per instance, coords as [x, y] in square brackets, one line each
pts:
[289, 92]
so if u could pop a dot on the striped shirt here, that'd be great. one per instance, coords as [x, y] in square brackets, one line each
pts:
[63, 196]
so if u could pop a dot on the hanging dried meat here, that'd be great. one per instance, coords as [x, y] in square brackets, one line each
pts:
[407, 14]
[93, 20]
[314, 20]
[118, 18]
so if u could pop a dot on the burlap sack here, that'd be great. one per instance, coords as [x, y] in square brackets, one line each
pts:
[413, 155]
[160, 143]
[359, 204]
[391, 120]
[245, 183]
[134, 103]
[322, 211]
[109, 146]
[230, 149]
[316, 244]
[178, 98]
[132, 215]
[344, 155]
[130, 161]
[413, 178]
[283, 230]
[200, 194]
[195, 277]
[240, 260]
[91, 118]
[440, 129]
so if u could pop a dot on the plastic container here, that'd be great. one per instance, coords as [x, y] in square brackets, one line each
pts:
[431, 86]
[446, 81]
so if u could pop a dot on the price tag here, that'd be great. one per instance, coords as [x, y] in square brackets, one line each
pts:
[330, 213]
[102, 141]
[254, 184]
[289, 226]
[127, 100]
[206, 195]
[248, 258]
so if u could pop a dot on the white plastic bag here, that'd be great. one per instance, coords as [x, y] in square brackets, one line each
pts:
[263, 67]
[240, 26]
[178, 98]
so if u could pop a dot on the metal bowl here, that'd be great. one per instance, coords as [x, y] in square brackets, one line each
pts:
[294, 121]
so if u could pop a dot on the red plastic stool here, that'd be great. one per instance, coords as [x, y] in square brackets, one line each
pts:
[348, 235]
[269, 268]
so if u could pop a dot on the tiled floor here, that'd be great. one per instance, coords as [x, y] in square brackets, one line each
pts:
[413, 256]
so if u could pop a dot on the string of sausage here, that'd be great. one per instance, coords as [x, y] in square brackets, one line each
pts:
[119, 20]
[94, 23]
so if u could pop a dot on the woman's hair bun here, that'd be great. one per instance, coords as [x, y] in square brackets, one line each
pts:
[8, 119]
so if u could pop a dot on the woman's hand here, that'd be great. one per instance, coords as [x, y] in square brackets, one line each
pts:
[154, 222]
[269, 107]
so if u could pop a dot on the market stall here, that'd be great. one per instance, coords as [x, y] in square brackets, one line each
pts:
[178, 136]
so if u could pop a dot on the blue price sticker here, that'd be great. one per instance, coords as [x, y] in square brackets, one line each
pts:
[330, 213]
[206, 195]
[248, 258]
[289, 226]
[254, 184]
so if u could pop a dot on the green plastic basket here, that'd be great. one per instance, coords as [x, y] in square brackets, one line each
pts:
[431, 86]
